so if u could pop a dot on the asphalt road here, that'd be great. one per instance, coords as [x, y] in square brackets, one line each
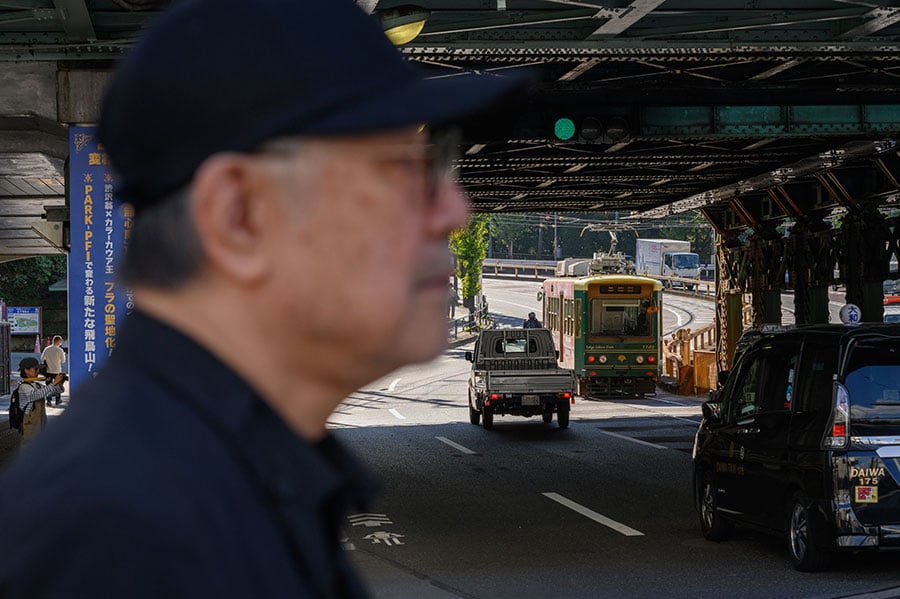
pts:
[603, 509]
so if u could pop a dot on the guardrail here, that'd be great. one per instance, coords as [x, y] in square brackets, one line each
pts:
[690, 357]
[537, 269]
[681, 358]
[542, 269]
[471, 323]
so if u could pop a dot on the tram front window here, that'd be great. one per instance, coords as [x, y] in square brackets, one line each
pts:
[620, 318]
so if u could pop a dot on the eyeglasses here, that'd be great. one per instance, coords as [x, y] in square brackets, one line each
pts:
[438, 156]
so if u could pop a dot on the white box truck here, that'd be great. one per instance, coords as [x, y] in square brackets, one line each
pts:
[666, 257]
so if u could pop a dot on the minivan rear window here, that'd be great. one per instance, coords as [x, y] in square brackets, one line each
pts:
[873, 380]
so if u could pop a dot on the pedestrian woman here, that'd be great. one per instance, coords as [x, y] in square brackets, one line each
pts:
[32, 397]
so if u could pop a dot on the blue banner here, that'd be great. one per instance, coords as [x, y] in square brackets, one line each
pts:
[99, 233]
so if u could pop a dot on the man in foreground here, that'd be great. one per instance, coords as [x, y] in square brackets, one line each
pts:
[282, 185]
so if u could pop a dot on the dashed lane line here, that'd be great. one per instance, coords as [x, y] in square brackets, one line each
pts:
[632, 439]
[455, 445]
[589, 513]
[397, 414]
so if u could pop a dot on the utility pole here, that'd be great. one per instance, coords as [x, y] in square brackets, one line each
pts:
[555, 238]
[540, 241]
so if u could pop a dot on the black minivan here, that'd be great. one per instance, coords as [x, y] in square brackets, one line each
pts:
[803, 438]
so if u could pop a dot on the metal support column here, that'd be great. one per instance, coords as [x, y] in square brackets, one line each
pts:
[729, 300]
[766, 275]
[865, 238]
[818, 306]
[811, 269]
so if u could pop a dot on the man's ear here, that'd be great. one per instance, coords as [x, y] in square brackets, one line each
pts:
[233, 216]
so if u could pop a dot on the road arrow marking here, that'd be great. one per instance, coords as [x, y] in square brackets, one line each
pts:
[369, 520]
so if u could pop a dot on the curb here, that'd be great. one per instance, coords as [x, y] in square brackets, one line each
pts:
[461, 340]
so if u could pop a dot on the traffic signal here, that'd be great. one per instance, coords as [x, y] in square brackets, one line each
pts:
[592, 129]
[564, 129]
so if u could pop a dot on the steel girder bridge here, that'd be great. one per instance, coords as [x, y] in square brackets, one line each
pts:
[761, 114]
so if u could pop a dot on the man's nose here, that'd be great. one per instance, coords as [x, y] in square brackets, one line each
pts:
[451, 208]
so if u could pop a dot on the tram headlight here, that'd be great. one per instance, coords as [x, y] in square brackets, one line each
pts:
[602, 359]
[639, 359]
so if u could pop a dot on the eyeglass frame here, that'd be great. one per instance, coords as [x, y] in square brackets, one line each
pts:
[439, 155]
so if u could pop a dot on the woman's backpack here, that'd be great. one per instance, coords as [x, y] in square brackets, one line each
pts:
[16, 413]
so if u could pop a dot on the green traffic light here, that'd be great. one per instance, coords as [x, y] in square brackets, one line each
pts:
[564, 129]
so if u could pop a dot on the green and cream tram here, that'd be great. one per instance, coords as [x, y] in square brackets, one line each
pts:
[607, 328]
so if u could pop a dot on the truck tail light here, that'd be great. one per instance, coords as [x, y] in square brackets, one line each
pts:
[564, 395]
[495, 396]
[838, 436]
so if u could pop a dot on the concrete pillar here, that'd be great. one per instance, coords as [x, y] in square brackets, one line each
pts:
[80, 94]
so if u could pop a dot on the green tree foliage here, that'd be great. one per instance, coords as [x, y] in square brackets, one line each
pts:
[470, 247]
[25, 282]
[512, 234]
[529, 236]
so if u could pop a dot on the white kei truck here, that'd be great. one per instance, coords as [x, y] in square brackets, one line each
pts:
[514, 371]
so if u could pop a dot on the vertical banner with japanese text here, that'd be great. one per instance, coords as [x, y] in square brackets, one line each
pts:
[99, 232]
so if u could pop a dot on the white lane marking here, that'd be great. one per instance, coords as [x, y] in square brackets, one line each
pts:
[883, 594]
[455, 445]
[691, 420]
[632, 439]
[678, 320]
[397, 414]
[669, 401]
[393, 385]
[588, 513]
[502, 301]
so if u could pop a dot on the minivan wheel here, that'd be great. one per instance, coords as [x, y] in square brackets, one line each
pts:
[805, 536]
[714, 526]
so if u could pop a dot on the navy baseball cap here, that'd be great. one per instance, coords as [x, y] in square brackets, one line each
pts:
[29, 363]
[226, 75]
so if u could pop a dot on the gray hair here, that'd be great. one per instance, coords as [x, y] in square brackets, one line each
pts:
[163, 251]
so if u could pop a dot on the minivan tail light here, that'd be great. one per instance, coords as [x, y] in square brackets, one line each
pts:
[838, 436]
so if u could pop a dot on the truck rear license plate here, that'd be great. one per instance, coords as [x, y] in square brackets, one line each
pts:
[531, 400]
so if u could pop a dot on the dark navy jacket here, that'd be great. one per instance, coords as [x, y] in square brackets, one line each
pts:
[169, 477]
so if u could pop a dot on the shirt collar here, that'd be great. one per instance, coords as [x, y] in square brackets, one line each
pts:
[292, 468]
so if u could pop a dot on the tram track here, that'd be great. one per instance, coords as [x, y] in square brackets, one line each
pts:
[681, 321]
